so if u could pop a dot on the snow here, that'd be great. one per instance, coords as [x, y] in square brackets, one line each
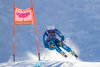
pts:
[50, 63]
[51, 59]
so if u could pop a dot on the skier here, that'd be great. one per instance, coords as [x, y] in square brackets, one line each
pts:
[52, 42]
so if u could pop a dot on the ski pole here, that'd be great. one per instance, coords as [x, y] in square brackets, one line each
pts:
[69, 38]
[46, 54]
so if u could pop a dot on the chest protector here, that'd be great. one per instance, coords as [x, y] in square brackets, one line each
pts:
[49, 36]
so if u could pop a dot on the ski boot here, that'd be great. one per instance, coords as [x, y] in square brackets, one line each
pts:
[76, 56]
[63, 54]
[73, 53]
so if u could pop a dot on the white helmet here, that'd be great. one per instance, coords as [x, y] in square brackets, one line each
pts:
[50, 28]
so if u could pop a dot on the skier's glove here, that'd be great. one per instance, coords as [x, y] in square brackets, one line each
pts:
[52, 46]
[61, 43]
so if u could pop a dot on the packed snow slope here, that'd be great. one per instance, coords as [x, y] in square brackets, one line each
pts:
[50, 59]
[50, 62]
[79, 19]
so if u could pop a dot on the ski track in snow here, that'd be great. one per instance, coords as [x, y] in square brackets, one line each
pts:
[55, 64]
[46, 63]
[60, 64]
[51, 64]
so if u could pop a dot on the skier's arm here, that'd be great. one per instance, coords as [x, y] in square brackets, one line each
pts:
[60, 34]
[44, 41]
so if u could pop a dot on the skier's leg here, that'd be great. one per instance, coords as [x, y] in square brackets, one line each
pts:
[60, 51]
[65, 47]
[68, 49]
[52, 46]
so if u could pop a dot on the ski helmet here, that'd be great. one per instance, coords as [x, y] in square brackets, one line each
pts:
[50, 29]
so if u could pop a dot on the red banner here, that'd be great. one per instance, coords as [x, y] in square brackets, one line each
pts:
[23, 17]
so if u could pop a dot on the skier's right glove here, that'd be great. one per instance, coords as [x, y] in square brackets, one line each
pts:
[52, 46]
[61, 43]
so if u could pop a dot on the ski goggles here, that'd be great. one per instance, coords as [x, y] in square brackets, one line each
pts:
[51, 31]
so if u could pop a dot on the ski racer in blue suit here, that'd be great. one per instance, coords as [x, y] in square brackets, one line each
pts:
[51, 41]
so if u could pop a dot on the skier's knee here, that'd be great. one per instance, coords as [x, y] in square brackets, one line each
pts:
[68, 49]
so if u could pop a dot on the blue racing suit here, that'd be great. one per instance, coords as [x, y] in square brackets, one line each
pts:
[53, 42]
